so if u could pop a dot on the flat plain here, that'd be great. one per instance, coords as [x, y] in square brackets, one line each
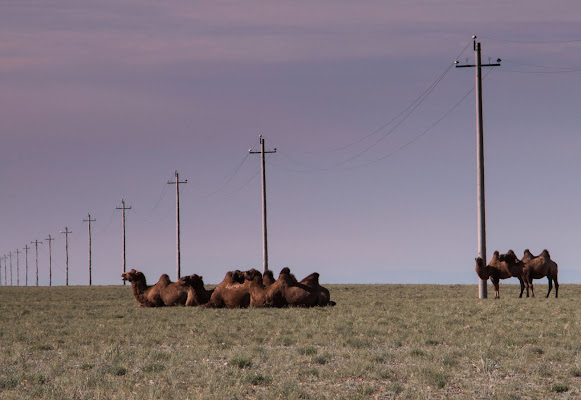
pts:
[378, 342]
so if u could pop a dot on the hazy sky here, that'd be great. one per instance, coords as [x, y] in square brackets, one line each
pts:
[374, 180]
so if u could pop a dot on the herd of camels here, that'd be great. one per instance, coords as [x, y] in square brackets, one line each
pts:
[503, 266]
[239, 289]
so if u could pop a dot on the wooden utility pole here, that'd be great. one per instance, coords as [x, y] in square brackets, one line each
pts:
[123, 227]
[5, 275]
[26, 248]
[50, 239]
[178, 256]
[36, 242]
[262, 152]
[66, 232]
[11, 284]
[482, 289]
[17, 267]
[89, 220]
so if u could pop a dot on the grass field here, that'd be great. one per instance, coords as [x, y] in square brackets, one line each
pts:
[380, 341]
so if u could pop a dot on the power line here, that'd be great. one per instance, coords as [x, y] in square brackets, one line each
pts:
[532, 41]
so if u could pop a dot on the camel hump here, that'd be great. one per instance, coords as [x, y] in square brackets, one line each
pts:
[546, 253]
[285, 270]
[528, 252]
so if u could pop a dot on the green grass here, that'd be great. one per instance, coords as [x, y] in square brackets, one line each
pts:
[380, 341]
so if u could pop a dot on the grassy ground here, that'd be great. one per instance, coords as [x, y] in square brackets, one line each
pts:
[380, 341]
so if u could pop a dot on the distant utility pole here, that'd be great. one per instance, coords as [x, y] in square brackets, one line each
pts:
[5, 275]
[26, 248]
[50, 239]
[262, 152]
[66, 232]
[482, 289]
[18, 267]
[89, 220]
[36, 242]
[177, 183]
[123, 226]
[10, 269]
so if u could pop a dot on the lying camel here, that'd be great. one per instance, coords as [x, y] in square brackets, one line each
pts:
[501, 267]
[267, 278]
[538, 267]
[323, 294]
[230, 293]
[146, 296]
[286, 291]
[174, 293]
[197, 293]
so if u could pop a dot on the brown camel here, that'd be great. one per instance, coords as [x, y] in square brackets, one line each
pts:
[267, 278]
[174, 293]
[146, 296]
[286, 291]
[231, 293]
[197, 293]
[501, 267]
[323, 294]
[538, 267]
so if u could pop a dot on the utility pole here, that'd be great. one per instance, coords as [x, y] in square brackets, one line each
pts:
[66, 232]
[123, 226]
[50, 239]
[17, 267]
[482, 288]
[179, 258]
[5, 276]
[89, 220]
[262, 152]
[10, 268]
[26, 248]
[36, 242]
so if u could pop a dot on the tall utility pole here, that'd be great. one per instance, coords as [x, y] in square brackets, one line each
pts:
[36, 242]
[66, 232]
[123, 227]
[50, 239]
[17, 267]
[482, 289]
[5, 275]
[10, 268]
[179, 257]
[26, 248]
[89, 220]
[262, 152]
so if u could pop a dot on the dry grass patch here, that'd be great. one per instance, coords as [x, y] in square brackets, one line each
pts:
[380, 341]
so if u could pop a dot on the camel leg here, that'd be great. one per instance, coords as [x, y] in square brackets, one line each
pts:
[550, 285]
[522, 287]
[496, 288]
[556, 287]
[532, 288]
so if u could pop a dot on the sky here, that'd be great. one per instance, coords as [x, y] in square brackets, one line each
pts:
[374, 175]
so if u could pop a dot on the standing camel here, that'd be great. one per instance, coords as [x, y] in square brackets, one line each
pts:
[501, 267]
[538, 267]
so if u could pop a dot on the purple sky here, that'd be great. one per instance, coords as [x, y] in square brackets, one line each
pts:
[104, 100]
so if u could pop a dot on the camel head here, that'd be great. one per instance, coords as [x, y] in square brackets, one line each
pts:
[481, 269]
[251, 274]
[132, 275]
[193, 280]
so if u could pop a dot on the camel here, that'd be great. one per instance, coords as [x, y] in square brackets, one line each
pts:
[323, 294]
[267, 278]
[174, 293]
[146, 296]
[501, 267]
[538, 267]
[197, 293]
[286, 291]
[235, 292]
